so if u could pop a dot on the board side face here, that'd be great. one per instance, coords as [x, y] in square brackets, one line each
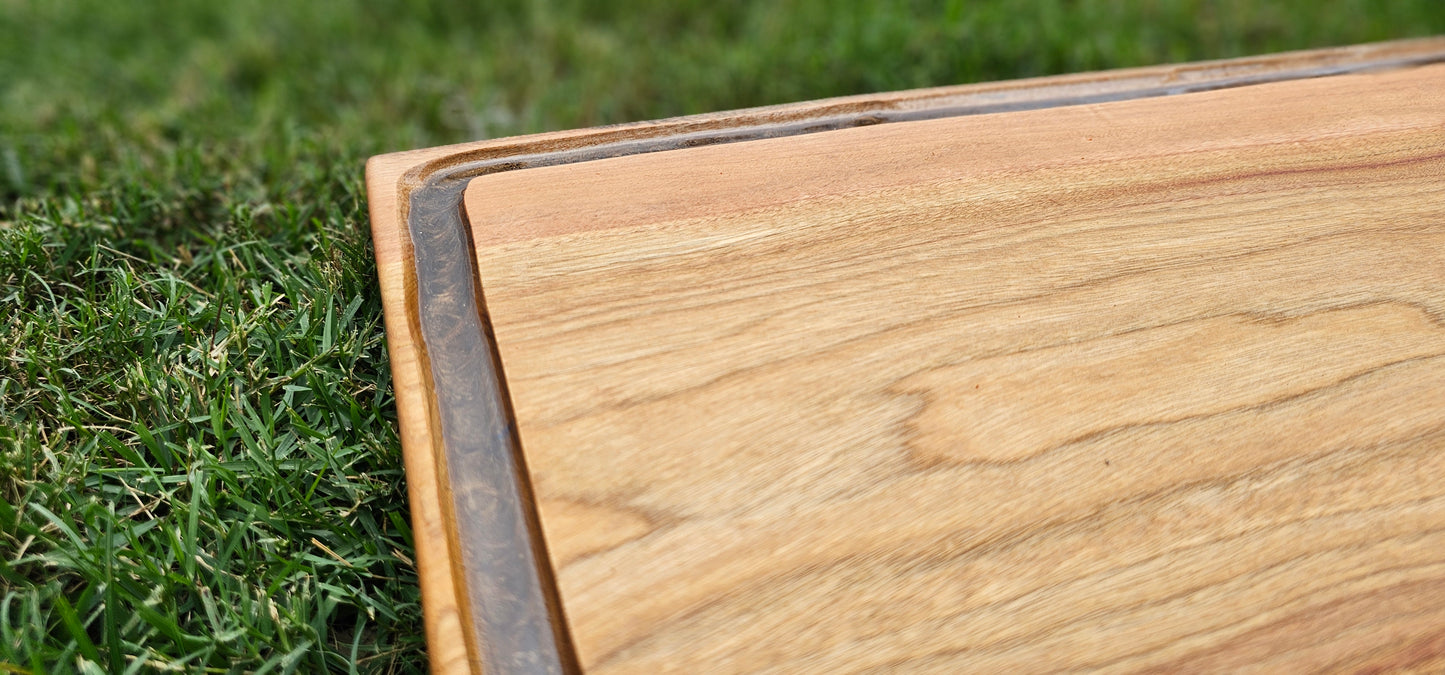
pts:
[1141, 384]
[459, 644]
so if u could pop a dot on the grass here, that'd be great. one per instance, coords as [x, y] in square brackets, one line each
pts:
[199, 467]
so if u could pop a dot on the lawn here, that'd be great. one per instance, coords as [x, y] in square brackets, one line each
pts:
[199, 467]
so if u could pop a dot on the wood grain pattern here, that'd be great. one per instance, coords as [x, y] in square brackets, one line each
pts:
[424, 282]
[1154, 384]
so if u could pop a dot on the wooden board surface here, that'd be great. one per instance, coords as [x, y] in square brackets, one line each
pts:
[1143, 384]
[489, 596]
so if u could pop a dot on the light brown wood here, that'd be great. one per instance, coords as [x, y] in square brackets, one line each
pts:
[1152, 384]
[459, 644]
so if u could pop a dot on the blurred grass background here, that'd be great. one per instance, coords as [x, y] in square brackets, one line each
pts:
[199, 468]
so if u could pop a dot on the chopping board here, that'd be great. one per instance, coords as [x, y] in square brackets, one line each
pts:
[1135, 370]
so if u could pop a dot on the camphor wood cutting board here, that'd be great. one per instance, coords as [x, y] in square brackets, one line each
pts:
[1128, 371]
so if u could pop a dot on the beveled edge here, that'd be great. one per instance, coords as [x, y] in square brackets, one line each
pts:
[415, 197]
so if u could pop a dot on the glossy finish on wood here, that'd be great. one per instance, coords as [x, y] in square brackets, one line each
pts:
[1127, 384]
[431, 389]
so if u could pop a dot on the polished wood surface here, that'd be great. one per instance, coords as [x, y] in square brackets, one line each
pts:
[1148, 384]
[458, 642]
